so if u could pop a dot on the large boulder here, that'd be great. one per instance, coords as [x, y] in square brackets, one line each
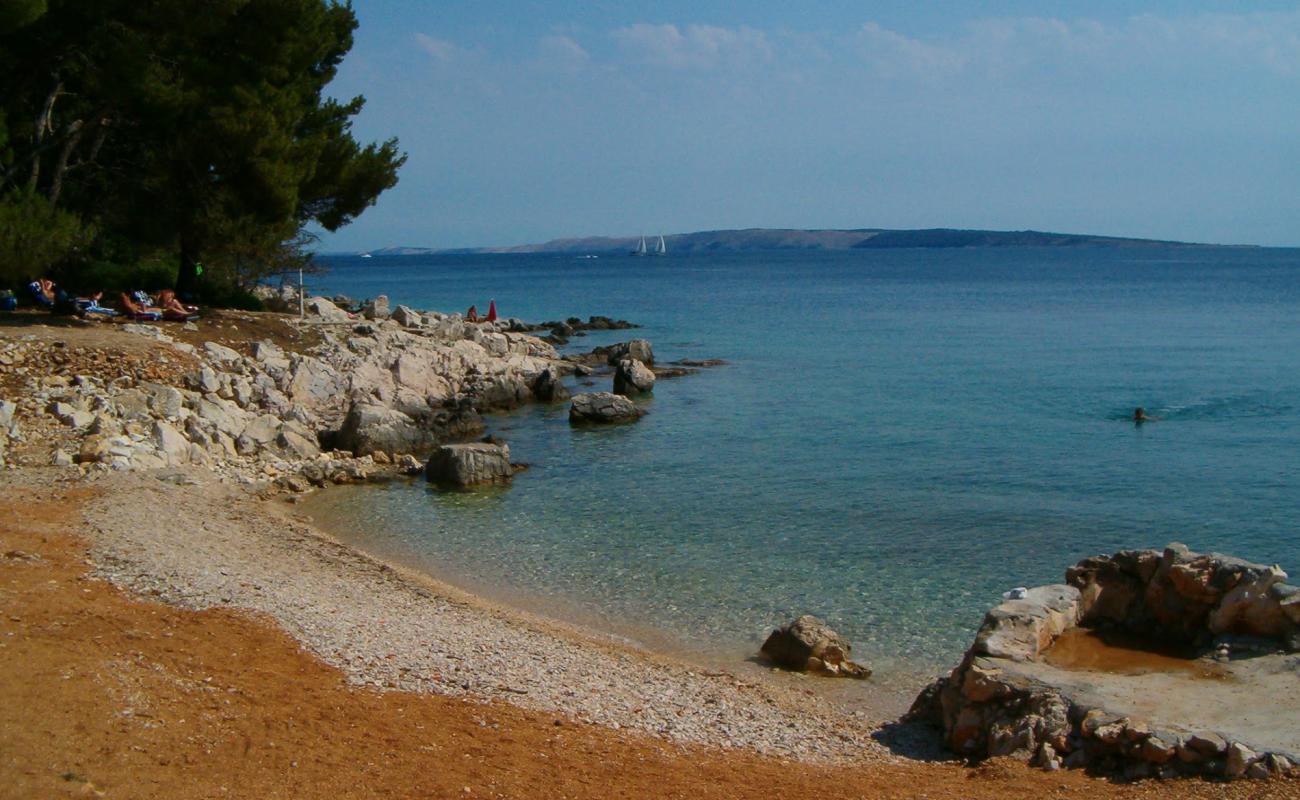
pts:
[809, 645]
[377, 308]
[369, 427]
[631, 377]
[638, 349]
[602, 408]
[407, 317]
[470, 464]
[325, 310]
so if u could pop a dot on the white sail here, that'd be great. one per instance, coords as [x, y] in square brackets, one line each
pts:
[661, 249]
[640, 248]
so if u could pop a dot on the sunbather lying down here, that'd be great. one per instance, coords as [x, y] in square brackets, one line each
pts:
[90, 305]
[140, 306]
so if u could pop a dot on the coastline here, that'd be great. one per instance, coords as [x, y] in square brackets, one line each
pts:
[877, 699]
[177, 629]
[395, 629]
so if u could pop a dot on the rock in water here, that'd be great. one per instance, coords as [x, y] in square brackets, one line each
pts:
[470, 464]
[809, 645]
[632, 377]
[603, 407]
[638, 349]
[548, 389]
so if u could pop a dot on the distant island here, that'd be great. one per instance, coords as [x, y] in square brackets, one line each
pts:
[752, 239]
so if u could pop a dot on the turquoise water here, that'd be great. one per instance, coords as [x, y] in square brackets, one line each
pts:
[899, 437]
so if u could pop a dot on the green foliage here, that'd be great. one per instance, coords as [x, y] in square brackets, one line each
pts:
[195, 126]
[36, 238]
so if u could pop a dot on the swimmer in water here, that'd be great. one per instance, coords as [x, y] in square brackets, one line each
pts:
[1140, 416]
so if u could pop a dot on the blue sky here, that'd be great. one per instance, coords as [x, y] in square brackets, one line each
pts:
[528, 121]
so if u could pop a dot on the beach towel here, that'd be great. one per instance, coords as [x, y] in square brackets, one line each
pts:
[39, 296]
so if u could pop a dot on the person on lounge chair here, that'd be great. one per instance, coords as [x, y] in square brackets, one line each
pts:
[173, 309]
[43, 292]
[132, 307]
[90, 306]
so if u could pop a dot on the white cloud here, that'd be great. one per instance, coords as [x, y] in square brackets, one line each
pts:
[562, 50]
[441, 49]
[694, 47]
[1002, 47]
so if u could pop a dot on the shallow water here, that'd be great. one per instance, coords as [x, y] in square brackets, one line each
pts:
[899, 436]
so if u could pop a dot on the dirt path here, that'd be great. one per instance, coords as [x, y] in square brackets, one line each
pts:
[106, 695]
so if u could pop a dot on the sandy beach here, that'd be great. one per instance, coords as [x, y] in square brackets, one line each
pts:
[169, 633]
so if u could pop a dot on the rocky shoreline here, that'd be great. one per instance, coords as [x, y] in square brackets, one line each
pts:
[202, 425]
[226, 427]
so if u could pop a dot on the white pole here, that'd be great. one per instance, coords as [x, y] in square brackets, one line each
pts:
[302, 312]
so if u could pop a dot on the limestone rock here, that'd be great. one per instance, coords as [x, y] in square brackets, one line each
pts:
[171, 444]
[808, 644]
[1021, 629]
[221, 354]
[407, 317]
[632, 377]
[327, 311]
[602, 408]
[548, 388]
[371, 426]
[377, 308]
[638, 349]
[470, 464]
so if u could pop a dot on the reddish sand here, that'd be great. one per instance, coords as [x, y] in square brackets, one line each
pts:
[105, 695]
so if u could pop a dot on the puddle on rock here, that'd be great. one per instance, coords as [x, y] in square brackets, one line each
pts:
[1126, 654]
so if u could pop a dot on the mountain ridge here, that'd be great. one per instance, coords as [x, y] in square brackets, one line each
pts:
[757, 239]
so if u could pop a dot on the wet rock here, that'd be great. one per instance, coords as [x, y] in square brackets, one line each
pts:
[602, 408]
[548, 388]
[631, 377]
[809, 645]
[470, 464]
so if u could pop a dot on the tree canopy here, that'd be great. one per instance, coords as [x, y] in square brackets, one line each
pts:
[198, 128]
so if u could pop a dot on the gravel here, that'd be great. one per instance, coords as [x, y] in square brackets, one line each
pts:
[190, 540]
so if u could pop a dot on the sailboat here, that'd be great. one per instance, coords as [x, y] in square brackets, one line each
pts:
[640, 248]
[661, 249]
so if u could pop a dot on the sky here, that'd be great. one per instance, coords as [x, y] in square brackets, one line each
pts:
[527, 121]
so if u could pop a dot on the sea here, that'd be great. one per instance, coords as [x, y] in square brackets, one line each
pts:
[897, 437]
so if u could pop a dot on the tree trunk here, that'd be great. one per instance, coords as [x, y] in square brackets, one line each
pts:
[40, 127]
[74, 132]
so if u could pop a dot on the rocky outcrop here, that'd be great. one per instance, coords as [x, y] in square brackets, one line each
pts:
[470, 464]
[602, 408]
[548, 388]
[1187, 597]
[325, 309]
[1005, 699]
[631, 377]
[376, 309]
[809, 645]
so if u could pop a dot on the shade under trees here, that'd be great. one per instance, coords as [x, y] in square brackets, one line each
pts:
[190, 130]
